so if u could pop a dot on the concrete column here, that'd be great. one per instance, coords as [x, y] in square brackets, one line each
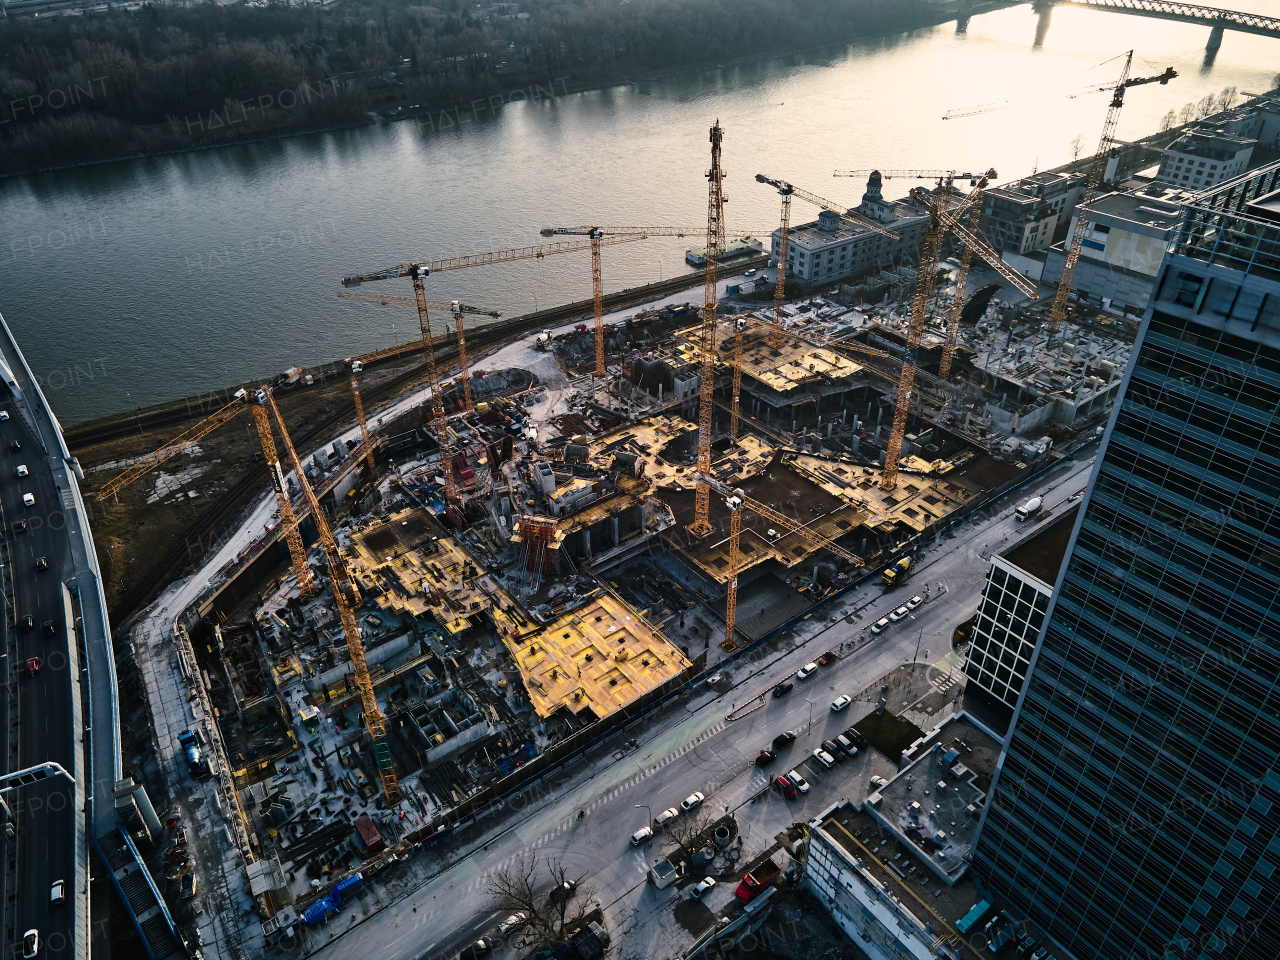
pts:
[878, 429]
[879, 414]
[855, 444]
[613, 529]
[644, 519]
[829, 426]
[844, 413]
[1215, 39]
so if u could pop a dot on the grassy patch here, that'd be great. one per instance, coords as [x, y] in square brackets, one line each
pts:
[889, 734]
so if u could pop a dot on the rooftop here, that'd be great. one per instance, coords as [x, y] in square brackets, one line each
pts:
[1041, 554]
[1156, 205]
[1210, 144]
[933, 804]
[599, 657]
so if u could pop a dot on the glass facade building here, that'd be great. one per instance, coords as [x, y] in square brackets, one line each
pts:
[1136, 808]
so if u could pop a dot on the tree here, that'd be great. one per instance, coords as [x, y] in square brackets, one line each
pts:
[551, 916]
[685, 833]
[1204, 106]
[1187, 112]
[1076, 146]
[1168, 122]
[1227, 98]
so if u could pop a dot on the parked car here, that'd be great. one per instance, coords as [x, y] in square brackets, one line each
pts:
[187, 886]
[15, 446]
[692, 800]
[666, 816]
[782, 689]
[42, 564]
[513, 922]
[858, 739]
[33, 666]
[846, 745]
[786, 787]
[30, 944]
[899, 614]
[800, 782]
[28, 499]
[22, 469]
[914, 602]
[782, 739]
[714, 680]
[824, 758]
[880, 625]
[4, 414]
[806, 671]
[702, 887]
[49, 629]
[20, 527]
[831, 748]
[563, 892]
[765, 758]
[58, 892]
[482, 947]
[839, 703]
[828, 657]
[878, 782]
[28, 622]
[642, 835]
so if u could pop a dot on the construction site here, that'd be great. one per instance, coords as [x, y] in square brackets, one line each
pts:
[413, 623]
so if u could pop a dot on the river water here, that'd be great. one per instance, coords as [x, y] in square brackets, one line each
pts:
[141, 281]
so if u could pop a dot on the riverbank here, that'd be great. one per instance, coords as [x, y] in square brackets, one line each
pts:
[363, 107]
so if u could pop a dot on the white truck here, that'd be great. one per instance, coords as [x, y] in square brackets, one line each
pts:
[1029, 509]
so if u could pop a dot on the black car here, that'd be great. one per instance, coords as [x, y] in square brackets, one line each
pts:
[782, 689]
[49, 629]
[858, 739]
[42, 564]
[766, 757]
[28, 622]
[15, 447]
[20, 527]
[782, 739]
[831, 748]
[562, 892]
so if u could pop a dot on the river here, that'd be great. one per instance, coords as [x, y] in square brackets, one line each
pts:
[140, 281]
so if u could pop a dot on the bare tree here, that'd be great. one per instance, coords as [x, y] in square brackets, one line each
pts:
[553, 900]
[1076, 146]
[1204, 106]
[685, 832]
[1227, 98]
[1187, 112]
[1168, 122]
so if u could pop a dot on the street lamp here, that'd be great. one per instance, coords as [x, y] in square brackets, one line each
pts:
[917, 653]
[809, 700]
[647, 810]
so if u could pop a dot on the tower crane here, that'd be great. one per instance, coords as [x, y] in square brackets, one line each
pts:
[911, 174]
[456, 308]
[701, 525]
[536, 251]
[1096, 170]
[356, 367]
[736, 501]
[785, 190]
[347, 600]
[974, 203]
[846, 213]
[288, 519]
[597, 235]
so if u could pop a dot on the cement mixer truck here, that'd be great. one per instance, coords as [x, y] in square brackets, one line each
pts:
[1029, 509]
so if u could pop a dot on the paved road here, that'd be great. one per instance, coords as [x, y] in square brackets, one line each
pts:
[697, 748]
[46, 811]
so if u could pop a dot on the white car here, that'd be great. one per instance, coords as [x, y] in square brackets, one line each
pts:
[22, 469]
[880, 625]
[807, 670]
[839, 703]
[30, 944]
[58, 892]
[641, 835]
[824, 758]
[915, 602]
[513, 922]
[29, 499]
[878, 782]
[900, 614]
[800, 782]
[692, 800]
[666, 816]
[4, 414]
[702, 887]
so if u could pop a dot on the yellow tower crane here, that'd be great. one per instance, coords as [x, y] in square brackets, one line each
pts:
[1097, 169]
[347, 600]
[737, 501]
[701, 525]
[288, 519]
[974, 203]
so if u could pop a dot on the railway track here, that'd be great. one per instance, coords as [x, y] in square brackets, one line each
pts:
[446, 350]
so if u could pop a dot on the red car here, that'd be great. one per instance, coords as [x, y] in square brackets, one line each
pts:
[828, 657]
[33, 666]
[787, 788]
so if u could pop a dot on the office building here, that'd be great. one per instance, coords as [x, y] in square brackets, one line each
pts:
[1123, 247]
[1136, 811]
[1009, 618]
[1032, 213]
[1205, 157]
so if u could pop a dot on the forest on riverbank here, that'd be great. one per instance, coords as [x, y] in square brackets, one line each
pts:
[168, 77]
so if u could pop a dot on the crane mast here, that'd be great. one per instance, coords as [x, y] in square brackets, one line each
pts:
[289, 520]
[925, 280]
[439, 423]
[780, 280]
[701, 525]
[347, 600]
[1097, 168]
[464, 370]
[597, 299]
[356, 367]
[974, 202]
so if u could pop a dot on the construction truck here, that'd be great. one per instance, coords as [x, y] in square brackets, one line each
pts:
[755, 882]
[895, 574]
[197, 765]
[1029, 509]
